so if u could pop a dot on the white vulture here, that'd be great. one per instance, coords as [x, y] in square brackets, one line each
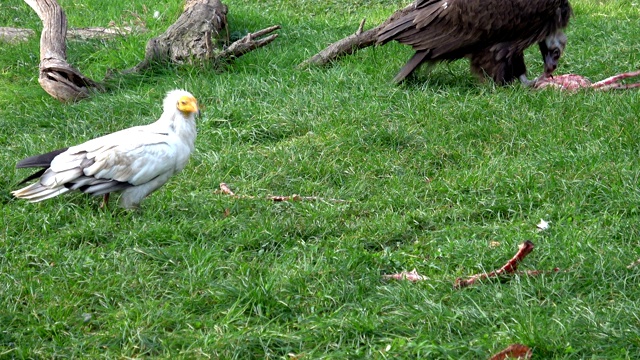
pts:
[135, 161]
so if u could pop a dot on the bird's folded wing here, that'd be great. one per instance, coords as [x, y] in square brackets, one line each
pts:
[443, 26]
[132, 156]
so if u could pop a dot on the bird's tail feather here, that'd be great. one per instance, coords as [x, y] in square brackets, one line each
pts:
[411, 65]
[36, 192]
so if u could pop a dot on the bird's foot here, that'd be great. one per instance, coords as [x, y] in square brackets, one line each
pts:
[535, 82]
[105, 201]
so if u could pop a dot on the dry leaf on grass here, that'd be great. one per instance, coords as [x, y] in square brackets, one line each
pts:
[514, 351]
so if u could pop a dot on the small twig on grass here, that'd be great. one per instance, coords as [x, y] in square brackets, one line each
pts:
[510, 267]
[224, 189]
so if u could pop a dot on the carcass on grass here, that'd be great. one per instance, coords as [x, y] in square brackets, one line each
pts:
[573, 82]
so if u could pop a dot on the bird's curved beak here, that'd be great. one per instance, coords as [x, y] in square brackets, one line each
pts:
[550, 63]
[551, 49]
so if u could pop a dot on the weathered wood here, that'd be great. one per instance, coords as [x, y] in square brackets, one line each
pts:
[57, 77]
[14, 35]
[101, 33]
[248, 43]
[352, 43]
[200, 35]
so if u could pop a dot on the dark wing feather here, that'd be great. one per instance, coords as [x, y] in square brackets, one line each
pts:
[93, 186]
[42, 160]
[35, 175]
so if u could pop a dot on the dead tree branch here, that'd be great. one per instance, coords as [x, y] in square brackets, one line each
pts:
[57, 77]
[248, 43]
[14, 35]
[200, 35]
[352, 43]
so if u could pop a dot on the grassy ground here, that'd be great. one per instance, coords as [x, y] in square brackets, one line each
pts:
[443, 175]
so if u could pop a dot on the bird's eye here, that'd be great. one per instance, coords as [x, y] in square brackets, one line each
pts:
[556, 54]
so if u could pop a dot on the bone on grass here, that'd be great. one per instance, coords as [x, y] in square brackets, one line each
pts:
[509, 268]
[225, 189]
[412, 276]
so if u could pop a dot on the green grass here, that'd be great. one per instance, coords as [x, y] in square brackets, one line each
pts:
[432, 172]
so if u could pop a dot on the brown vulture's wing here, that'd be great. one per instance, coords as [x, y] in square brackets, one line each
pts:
[450, 29]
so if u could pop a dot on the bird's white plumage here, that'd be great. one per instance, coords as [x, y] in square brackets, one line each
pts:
[136, 160]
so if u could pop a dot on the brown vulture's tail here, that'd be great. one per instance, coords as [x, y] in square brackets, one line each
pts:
[416, 60]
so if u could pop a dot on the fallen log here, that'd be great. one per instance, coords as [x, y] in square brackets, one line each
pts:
[15, 35]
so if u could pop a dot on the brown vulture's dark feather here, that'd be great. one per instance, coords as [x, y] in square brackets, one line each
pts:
[492, 33]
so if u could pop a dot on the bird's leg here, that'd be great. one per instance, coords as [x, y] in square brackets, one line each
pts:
[526, 82]
[105, 201]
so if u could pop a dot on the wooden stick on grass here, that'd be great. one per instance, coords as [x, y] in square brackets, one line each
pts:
[510, 267]
[225, 189]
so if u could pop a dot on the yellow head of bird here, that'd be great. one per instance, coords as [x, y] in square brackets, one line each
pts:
[188, 104]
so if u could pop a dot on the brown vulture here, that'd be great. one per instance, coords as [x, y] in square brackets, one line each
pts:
[493, 34]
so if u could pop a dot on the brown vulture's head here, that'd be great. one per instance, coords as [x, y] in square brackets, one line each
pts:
[551, 49]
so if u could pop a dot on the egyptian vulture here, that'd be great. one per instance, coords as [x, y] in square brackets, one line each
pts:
[134, 161]
[493, 34]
